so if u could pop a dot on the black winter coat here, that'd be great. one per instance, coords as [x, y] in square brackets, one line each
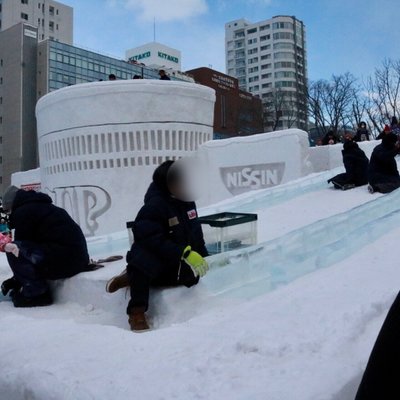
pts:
[162, 229]
[356, 164]
[383, 162]
[361, 135]
[38, 221]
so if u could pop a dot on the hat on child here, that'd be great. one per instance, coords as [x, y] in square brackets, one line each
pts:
[9, 197]
[387, 129]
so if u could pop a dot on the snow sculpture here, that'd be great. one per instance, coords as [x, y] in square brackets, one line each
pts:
[100, 142]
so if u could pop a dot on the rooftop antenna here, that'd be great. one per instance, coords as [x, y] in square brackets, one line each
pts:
[154, 29]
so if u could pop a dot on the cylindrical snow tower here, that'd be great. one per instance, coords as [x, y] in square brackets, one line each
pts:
[100, 142]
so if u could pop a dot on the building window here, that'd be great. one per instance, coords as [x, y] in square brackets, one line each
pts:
[252, 51]
[1, 80]
[1, 62]
[264, 38]
[266, 85]
[250, 31]
[51, 10]
[1, 120]
[266, 57]
[264, 27]
[283, 35]
[283, 55]
[24, 1]
[266, 47]
[266, 76]
[24, 16]
[282, 25]
[39, 6]
[265, 66]
[251, 41]
[1, 100]
[253, 79]
[253, 60]
[253, 69]
[51, 26]
[57, 11]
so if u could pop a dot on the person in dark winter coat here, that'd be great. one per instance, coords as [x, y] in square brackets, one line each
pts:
[386, 130]
[329, 138]
[47, 244]
[383, 175]
[381, 376]
[362, 133]
[356, 164]
[395, 127]
[163, 75]
[168, 246]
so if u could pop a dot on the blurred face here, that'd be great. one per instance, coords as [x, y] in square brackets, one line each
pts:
[185, 179]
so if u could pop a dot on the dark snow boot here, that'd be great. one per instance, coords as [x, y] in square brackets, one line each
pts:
[10, 285]
[137, 320]
[21, 301]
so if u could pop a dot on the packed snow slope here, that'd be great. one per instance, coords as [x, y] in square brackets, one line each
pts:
[292, 318]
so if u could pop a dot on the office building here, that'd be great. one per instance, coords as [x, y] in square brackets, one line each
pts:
[29, 69]
[18, 54]
[236, 112]
[53, 20]
[269, 59]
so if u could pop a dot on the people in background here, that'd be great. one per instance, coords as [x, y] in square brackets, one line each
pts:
[163, 75]
[47, 244]
[362, 133]
[329, 138]
[383, 175]
[356, 164]
[386, 130]
[168, 248]
[395, 127]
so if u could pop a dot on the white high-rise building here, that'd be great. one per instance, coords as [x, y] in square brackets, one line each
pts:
[53, 20]
[269, 59]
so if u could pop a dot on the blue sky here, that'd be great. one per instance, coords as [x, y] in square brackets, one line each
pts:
[342, 35]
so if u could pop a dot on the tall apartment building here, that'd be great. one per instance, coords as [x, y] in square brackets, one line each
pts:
[269, 59]
[53, 20]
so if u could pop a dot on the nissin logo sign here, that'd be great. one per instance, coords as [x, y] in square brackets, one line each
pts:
[244, 178]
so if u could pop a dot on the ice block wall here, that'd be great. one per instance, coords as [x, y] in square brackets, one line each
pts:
[99, 143]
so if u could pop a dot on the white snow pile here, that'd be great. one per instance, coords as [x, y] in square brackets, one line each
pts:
[292, 318]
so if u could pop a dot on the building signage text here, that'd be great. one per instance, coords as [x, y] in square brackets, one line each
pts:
[168, 57]
[141, 56]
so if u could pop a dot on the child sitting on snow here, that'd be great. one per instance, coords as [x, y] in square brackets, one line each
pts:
[169, 246]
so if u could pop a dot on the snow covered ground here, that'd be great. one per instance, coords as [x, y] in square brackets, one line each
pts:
[293, 318]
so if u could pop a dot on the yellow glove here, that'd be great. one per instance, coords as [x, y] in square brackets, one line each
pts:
[195, 261]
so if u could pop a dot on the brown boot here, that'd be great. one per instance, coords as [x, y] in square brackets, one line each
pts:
[137, 320]
[118, 282]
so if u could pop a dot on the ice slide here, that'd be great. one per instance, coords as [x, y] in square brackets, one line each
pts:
[244, 274]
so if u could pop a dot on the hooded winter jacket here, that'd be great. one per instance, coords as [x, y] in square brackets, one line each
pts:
[40, 223]
[382, 173]
[356, 164]
[162, 229]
